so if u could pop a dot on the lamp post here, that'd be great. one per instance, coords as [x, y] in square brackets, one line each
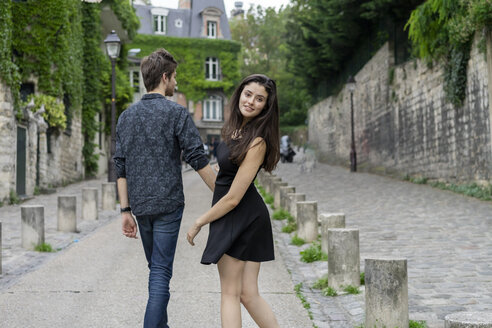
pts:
[353, 154]
[113, 44]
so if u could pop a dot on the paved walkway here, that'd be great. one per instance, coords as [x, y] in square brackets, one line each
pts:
[100, 281]
[446, 237]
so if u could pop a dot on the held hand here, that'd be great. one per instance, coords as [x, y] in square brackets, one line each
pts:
[128, 225]
[192, 232]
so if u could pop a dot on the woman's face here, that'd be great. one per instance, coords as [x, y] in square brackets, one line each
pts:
[252, 101]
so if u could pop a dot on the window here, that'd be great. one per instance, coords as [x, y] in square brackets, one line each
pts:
[212, 109]
[212, 30]
[135, 81]
[212, 69]
[159, 24]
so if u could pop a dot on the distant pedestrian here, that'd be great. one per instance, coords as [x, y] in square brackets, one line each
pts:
[150, 137]
[240, 234]
[215, 144]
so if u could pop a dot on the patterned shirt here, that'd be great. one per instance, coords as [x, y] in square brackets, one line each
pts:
[150, 136]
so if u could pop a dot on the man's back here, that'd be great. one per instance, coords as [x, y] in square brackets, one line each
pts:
[150, 137]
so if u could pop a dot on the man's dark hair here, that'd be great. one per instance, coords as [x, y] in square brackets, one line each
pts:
[156, 64]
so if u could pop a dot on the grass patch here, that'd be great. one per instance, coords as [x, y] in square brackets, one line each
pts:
[13, 198]
[321, 283]
[472, 189]
[269, 199]
[351, 290]
[289, 228]
[329, 291]
[362, 278]
[44, 248]
[417, 324]
[281, 214]
[297, 241]
[411, 324]
[313, 253]
[305, 303]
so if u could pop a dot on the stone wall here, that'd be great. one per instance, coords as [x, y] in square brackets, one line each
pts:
[43, 168]
[404, 125]
[7, 142]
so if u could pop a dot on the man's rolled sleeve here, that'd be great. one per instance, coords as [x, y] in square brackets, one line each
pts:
[191, 143]
[119, 159]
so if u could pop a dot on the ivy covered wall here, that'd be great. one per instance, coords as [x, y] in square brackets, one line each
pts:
[191, 53]
[58, 44]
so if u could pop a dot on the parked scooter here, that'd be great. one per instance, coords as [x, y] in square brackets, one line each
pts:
[286, 152]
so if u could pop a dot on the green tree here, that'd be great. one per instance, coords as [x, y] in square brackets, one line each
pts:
[262, 34]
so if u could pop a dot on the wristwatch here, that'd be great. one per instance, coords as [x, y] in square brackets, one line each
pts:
[126, 209]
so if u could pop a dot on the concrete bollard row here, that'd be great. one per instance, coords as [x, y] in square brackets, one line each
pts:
[109, 196]
[386, 296]
[89, 204]
[307, 220]
[343, 258]
[0, 247]
[330, 221]
[294, 198]
[67, 213]
[468, 320]
[284, 200]
[276, 193]
[32, 226]
[271, 185]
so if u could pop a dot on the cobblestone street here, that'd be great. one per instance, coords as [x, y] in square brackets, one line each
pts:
[445, 237]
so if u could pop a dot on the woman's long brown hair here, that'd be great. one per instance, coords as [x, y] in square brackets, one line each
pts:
[265, 125]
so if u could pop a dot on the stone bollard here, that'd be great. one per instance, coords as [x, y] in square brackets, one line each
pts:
[386, 283]
[468, 320]
[89, 204]
[32, 226]
[294, 198]
[284, 199]
[343, 258]
[330, 221]
[0, 247]
[276, 194]
[307, 220]
[109, 196]
[270, 187]
[67, 213]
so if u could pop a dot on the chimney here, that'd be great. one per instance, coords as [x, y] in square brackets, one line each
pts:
[184, 4]
[238, 10]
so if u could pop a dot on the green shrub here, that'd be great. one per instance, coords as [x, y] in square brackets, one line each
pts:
[269, 199]
[297, 241]
[44, 247]
[313, 253]
[54, 113]
[351, 289]
[329, 291]
[362, 278]
[417, 324]
[281, 214]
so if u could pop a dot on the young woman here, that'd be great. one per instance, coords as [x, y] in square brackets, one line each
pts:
[240, 230]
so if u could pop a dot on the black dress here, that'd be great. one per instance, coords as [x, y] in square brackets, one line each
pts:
[244, 233]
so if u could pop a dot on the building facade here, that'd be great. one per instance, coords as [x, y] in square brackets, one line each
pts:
[206, 22]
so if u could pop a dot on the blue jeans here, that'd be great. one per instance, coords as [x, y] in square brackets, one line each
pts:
[159, 235]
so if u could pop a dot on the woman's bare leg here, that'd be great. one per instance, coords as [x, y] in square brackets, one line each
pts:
[231, 273]
[257, 307]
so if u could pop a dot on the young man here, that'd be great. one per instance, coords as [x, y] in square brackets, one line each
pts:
[150, 136]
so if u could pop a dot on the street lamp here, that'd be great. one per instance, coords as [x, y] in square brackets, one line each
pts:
[353, 154]
[113, 44]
